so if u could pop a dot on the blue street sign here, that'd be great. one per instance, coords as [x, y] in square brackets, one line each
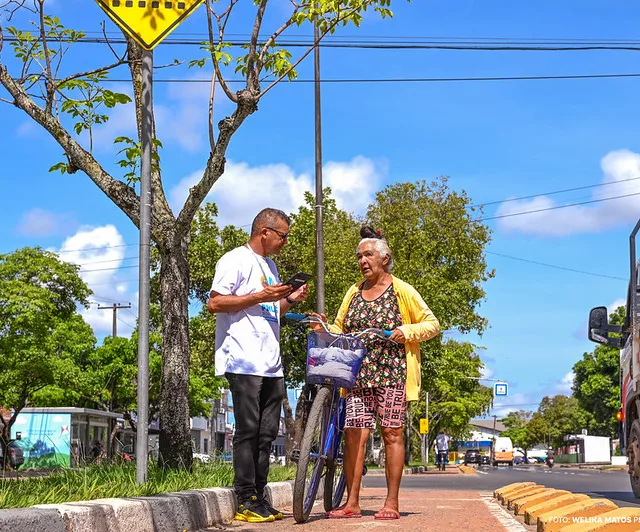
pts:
[500, 389]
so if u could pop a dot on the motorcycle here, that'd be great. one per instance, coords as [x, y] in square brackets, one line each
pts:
[550, 461]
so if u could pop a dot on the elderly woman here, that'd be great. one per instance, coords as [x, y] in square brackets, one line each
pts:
[390, 372]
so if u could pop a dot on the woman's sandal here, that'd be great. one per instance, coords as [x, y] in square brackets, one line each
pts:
[342, 513]
[387, 514]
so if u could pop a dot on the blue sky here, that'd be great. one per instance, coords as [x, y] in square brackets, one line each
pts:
[496, 140]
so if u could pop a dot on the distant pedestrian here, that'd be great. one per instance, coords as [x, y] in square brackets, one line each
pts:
[248, 300]
[442, 448]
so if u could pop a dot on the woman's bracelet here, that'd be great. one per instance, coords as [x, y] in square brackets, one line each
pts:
[289, 301]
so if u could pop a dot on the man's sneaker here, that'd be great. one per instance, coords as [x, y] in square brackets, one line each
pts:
[275, 513]
[252, 511]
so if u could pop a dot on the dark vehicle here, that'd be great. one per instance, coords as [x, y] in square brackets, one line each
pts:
[485, 460]
[472, 456]
[16, 455]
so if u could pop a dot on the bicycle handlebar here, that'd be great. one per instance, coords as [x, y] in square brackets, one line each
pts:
[312, 319]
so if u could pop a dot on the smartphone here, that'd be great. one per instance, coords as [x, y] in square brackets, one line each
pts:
[298, 279]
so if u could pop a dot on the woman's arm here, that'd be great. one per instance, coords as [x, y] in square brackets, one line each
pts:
[424, 324]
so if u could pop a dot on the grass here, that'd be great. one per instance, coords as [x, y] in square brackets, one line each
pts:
[119, 480]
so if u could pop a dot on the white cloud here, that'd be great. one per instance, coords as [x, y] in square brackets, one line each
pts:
[243, 191]
[617, 167]
[520, 401]
[100, 252]
[563, 386]
[486, 372]
[40, 222]
[614, 306]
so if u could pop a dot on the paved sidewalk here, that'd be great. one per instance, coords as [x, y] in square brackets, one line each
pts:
[420, 510]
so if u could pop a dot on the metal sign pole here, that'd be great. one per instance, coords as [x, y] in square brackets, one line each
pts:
[142, 443]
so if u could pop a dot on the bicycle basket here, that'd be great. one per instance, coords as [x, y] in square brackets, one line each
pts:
[334, 359]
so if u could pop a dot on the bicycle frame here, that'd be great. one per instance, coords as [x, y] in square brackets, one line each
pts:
[335, 430]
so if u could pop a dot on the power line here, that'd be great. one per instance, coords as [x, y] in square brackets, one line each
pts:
[526, 45]
[108, 269]
[555, 207]
[555, 192]
[556, 267]
[411, 80]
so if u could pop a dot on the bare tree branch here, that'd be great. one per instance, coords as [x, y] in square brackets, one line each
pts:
[49, 86]
[273, 38]
[247, 104]
[121, 194]
[221, 30]
[333, 24]
[118, 63]
[252, 75]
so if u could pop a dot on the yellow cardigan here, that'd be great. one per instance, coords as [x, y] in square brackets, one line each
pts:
[418, 324]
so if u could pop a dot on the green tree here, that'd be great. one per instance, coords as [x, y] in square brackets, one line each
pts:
[596, 385]
[523, 427]
[562, 416]
[438, 246]
[67, 104]
[41, 330]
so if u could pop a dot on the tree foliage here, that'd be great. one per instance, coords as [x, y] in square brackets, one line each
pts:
[596, 385]
[66, 104]
[562, 416]
[40, 330]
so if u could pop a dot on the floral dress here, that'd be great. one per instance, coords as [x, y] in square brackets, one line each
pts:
[385, 364]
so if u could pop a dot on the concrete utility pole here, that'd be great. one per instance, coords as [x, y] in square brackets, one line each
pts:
[319, 203]
[115, 307]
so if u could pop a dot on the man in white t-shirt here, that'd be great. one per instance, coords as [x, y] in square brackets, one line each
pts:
[248, 300]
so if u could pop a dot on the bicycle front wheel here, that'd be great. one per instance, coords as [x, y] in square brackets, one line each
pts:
[312, 461]
[334, 481]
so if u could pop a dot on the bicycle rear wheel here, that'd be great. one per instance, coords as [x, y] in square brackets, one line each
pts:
[334, 481]
[311, 463]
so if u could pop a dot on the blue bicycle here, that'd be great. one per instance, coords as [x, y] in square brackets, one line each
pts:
[333, 362]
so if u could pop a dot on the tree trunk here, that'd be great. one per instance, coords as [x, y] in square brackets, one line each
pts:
[175, 430]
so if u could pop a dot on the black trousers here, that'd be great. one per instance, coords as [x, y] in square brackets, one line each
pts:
[257, 403]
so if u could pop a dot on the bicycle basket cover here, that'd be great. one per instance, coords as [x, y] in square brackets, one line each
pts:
[333, 359]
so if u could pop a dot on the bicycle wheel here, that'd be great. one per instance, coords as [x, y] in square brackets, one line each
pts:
[334, 481]
[311, 462]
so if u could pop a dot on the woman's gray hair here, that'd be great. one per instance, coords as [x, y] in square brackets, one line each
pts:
[382, 247]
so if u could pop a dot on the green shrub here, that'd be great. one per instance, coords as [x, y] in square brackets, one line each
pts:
[119, 480]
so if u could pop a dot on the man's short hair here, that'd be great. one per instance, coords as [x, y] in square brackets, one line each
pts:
[268, 218]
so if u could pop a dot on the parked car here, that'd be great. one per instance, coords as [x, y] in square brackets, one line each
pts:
[16, 454]
[485, 460]
[472, 456]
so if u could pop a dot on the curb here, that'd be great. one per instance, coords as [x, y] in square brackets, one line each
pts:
[188, 511]
[467, 470]
[551, 510]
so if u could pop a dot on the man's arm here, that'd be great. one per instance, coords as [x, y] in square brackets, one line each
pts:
[230, 303]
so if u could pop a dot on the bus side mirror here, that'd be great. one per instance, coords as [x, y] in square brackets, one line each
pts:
[599, 328]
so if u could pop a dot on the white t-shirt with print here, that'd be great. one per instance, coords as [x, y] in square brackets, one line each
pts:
[247, 341]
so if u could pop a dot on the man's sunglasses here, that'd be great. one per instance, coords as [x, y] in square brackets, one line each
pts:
[282, 235]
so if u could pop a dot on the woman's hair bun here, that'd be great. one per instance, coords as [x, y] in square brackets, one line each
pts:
[369, 232]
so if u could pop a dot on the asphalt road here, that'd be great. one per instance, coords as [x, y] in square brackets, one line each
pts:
[612, 485]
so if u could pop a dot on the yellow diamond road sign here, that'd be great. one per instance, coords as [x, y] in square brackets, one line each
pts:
[148, 21]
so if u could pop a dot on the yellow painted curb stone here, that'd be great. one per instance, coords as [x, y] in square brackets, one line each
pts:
[534, 490]
[532, 512]
[517, 493]
[556, 519]
[512, 486]
[520, 506]
[619, 520]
